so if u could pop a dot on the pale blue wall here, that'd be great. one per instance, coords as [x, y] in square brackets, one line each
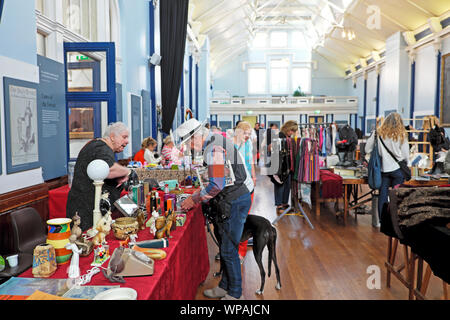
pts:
[18, 31]
[135, 45]
[204, 83]
[327, 78]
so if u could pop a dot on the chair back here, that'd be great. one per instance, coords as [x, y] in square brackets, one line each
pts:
[28, 228]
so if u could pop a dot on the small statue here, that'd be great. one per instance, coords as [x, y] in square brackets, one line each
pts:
[132, 241]
[165, 230]
[81, 242]
[152, 222]
[74, 268]
[76, 230]
[103, 227]
[141, 219]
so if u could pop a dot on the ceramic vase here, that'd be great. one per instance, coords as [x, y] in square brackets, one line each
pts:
[58, 236]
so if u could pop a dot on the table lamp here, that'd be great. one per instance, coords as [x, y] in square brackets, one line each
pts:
[97, 170]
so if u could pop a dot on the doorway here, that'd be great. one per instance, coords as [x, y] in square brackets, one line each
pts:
[90, 92]
[250, 119]
[316, 119]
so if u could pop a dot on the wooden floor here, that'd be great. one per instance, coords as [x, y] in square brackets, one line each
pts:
[329, 262]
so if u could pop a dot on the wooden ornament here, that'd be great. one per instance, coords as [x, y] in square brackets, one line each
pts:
[44, 261]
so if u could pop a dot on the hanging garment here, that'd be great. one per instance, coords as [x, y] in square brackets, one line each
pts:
[328, 141]
[333, 138]
[324, 144]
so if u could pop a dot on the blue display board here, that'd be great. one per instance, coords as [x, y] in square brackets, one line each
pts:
[146, 113]
[136, 123]
[52, 124]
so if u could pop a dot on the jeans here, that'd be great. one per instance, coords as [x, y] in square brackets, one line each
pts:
[388, 179]
[282, 192]
[231, 277]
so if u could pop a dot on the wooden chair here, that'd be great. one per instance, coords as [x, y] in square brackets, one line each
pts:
[423, 279]
[404, 272]
[28, 231]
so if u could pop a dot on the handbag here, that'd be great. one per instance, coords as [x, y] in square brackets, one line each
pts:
[374, 167]
[403, 164]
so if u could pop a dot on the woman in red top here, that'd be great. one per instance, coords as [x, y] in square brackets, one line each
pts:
[139, 156]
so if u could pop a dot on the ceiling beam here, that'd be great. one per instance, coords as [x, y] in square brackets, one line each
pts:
[220, 18]
[348, 57]
[224, 44]
[219, 59]
[374, 33]
[415, 5]
[223, 37]
[350, 43]
[394, 21]
[226, 59]
[265, 4]
[211, 10]
[332, 59]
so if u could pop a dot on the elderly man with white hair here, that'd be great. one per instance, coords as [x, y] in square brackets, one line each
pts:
[231, 197]
[82, 193]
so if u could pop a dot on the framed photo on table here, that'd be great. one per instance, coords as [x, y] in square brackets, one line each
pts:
[21, 125]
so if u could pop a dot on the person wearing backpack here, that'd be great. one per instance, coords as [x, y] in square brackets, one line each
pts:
[392, 142]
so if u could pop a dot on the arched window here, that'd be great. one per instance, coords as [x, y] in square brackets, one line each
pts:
[80, 16]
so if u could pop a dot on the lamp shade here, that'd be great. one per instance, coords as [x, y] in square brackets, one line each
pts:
[98, 170]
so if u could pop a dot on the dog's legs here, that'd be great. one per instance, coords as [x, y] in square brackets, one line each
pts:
[273, 252]
[257, 252]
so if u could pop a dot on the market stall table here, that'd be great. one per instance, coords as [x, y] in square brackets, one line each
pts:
[176, 277]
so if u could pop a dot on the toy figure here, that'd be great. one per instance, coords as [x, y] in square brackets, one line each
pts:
[103, 227]
[152, 222]
[74, 268]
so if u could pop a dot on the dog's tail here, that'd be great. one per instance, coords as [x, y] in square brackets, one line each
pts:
[271, 246]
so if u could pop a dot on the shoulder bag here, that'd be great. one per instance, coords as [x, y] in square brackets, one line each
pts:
[374, 167]
[403, 164]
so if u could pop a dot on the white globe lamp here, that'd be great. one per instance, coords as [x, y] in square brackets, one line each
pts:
[97, 170]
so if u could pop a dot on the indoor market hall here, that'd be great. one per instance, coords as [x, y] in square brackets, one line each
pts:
[267, 151]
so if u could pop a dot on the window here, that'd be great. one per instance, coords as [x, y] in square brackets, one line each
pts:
[279, 76]
[41, 44]
[298, 40]
[278, 39]
[301, 77]
[256, 80]
[80, 16]
[260, 40]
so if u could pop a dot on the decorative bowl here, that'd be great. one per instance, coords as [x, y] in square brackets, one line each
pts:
[124, 226]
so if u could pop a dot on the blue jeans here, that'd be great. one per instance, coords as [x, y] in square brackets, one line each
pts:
[388, 179]
[282, 192]
[231, 277]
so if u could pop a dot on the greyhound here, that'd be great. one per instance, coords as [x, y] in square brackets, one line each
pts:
[264, 234]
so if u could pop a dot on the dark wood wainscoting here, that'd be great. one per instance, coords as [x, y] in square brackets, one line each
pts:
[35, 196]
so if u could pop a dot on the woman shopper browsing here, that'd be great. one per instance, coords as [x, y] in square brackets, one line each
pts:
[393, 136]
[233, 198]
[282, 188]
[243, 143]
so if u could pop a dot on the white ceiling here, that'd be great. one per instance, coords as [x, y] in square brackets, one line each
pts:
[232, 24]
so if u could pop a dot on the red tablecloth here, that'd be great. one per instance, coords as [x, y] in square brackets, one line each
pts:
[57, 201]
[176, 277]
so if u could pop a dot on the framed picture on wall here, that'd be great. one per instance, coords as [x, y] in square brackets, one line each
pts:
[371, 124]
[21, 125]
